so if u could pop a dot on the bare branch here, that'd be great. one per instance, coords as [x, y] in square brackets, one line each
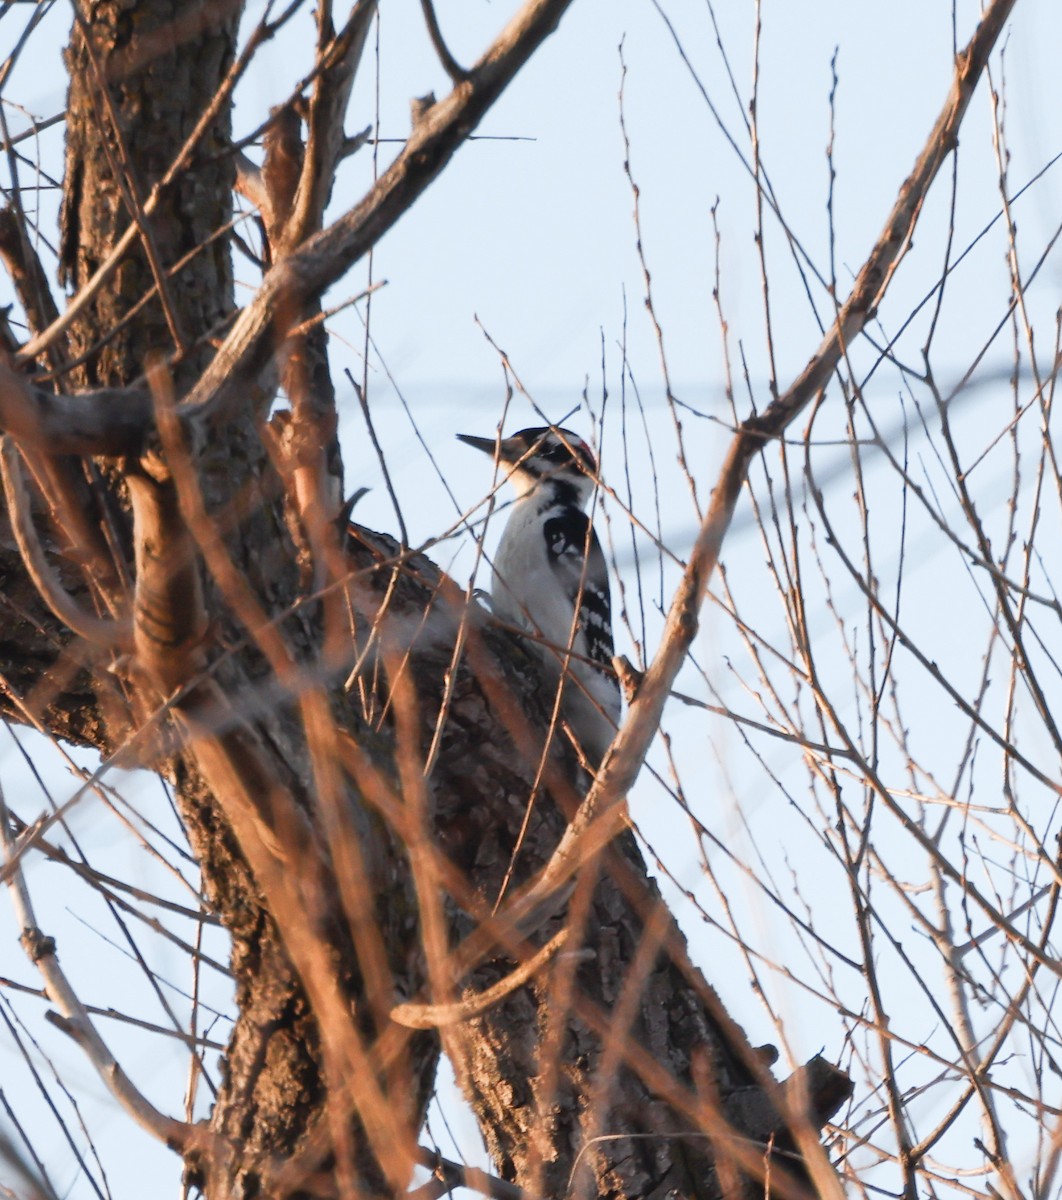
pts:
[100, 631]
[450, 64]
[109, 421]
[283, 160]
[449, 1175]
[434, 1016]
[251, 185]
[76, 1022]
[600, 816]
[325, 140]
[876, 273]
[27, 274]
[33, 1184]
[329, 254]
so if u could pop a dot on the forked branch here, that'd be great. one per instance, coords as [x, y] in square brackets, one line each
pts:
[324, 258]
[600, 815]
[75, 1021]
[325, 140]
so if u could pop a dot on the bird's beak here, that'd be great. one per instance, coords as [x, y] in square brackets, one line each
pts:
[487, 445]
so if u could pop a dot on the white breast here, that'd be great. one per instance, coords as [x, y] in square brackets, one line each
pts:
[526, 593]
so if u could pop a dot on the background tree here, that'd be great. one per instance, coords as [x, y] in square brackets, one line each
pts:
[399, 845]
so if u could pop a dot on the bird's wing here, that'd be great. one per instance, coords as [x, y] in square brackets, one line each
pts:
[570, 538]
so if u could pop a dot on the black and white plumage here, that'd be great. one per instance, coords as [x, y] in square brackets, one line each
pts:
[551, 578]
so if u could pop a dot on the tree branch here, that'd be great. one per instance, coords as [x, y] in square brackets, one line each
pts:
[324, 124]
[27, 274]
[76, 1022]
[450, 64]
[600, 816]
[251, 185]
[101, 631]
[449, 1175]
[329, 254]
[108, 421]
[434, 1016]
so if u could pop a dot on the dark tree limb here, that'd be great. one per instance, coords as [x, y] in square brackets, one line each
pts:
[448, 1175]
[100, 631]
[27, 274]
[106, 421]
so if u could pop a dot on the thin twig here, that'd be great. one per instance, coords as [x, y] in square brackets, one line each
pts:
[600, 815]
[449, 64]
[436, 1016]
[76, 1022]
[450, 1175]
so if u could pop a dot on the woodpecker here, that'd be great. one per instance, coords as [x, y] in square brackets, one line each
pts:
[550, 576]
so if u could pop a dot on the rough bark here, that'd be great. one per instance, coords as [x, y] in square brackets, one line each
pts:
[621, 1040]
[164, 62]
[543, 1072]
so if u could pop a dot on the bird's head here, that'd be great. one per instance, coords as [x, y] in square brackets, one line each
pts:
[547, 453]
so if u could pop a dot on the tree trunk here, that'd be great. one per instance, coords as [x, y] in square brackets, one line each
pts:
[617, 1072]
[165, 62]
[614, 1071]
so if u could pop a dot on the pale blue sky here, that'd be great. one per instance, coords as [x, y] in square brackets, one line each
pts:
[536, 239]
